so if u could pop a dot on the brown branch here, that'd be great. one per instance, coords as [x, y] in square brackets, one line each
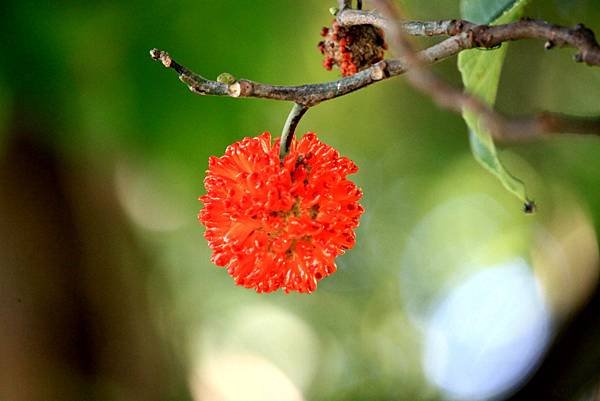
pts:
[578, 37]
[349, 17]
[488, 36]
[552, 123]
[307, 95]
[543, 124]
[454, 99]
[463, 35]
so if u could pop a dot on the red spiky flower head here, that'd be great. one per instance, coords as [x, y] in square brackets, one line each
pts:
[279, 225]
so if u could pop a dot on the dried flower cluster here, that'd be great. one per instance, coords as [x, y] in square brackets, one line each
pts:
[280, 225]
[352, 48]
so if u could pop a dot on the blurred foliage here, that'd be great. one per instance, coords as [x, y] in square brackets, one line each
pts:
[482, 12]
[77, 79]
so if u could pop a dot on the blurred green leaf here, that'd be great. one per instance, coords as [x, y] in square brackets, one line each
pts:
[485, 11]
[480, 72]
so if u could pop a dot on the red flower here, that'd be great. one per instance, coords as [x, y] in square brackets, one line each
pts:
[275, 225]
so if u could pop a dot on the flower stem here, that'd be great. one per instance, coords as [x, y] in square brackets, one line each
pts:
[288, 129]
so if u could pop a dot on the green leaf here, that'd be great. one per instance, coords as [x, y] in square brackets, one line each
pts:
[480, 70]
[484, 11]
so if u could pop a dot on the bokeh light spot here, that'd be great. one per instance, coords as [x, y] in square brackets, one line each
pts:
[488, 333]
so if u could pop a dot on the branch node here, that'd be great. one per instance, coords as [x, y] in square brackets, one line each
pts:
[163, 56]
[235, 89]
[240, 88]
[578, 58]
[155, 53]
[549, 45]
[379, 71]
[455, 27]
[481, 36]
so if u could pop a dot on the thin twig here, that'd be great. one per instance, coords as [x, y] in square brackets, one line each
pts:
[349, 17]
[308, 95]
[344, 4]
[287, 134]
[548, 124]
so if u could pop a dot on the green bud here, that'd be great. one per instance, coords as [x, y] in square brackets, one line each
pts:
[226, 78]
[334, 11]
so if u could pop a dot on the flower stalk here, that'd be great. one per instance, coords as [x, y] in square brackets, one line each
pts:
[287, 134]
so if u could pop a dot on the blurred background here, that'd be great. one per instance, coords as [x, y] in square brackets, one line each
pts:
[107, 291]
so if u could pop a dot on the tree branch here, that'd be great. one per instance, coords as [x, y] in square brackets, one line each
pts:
[349, 17]
[463, 35]
[307, 95]
[578, 37]
[541, 125]
[500, 126]
[488, 36]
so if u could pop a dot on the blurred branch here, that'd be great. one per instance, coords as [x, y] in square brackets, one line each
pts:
[455, 99]
[463, 35]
